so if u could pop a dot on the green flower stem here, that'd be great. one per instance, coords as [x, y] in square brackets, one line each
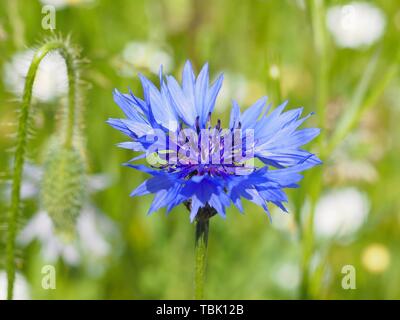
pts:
[307, 235]
[22, 136]
[202, 226]
[364, 97]
[317, 15]
[16, 23]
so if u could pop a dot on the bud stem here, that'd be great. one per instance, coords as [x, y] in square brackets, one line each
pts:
[202, 227]
[22, 135]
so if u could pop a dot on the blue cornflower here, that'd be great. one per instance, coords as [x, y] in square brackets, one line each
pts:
[204, 165]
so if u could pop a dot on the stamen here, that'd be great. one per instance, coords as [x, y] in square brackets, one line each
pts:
[218, 126]
[198, 124]
[209, 117]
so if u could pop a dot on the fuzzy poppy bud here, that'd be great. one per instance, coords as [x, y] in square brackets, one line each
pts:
[63, 188]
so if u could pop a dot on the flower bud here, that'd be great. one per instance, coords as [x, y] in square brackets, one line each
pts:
[63, 188]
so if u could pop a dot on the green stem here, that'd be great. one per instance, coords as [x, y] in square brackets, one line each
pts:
[16, 23]
[307, 236]
[202, 226]
[22, 136]
[364, 97]
[317, 13]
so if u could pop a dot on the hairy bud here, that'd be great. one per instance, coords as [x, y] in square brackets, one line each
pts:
[63, 188]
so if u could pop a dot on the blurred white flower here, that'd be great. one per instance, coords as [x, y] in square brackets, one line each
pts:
[32, 177]
[340, 213]
[145, 55]
[56, 3]
[287, 276]
[356, 24]
[60, 4]
[21, 287]
[51, 79]
[94, 230]
[90, 242]
[234, 87]
[41, 227]
[29, 188]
